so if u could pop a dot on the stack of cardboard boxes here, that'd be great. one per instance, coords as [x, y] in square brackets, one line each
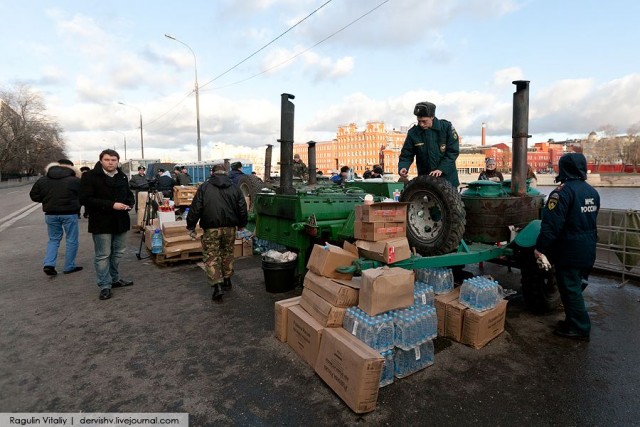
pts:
[312, 326]
[311, 323]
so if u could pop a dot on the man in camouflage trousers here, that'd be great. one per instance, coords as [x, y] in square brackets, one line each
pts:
[220, 207]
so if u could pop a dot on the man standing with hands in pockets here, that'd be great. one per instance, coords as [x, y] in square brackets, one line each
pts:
[105, 192]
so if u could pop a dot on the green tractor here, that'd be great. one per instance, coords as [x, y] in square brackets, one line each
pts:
[447, 228]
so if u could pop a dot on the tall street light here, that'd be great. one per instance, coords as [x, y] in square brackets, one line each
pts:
[141, 137]
[195, 62]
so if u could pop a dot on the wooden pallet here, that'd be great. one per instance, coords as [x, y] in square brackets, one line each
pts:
[188, 255]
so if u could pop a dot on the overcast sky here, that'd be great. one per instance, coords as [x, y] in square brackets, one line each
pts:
[85, 56]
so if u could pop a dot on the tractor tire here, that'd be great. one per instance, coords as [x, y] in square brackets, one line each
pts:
[539, 287]
[250, 185]
[435, 215]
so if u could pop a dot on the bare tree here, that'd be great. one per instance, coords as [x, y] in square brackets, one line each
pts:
[632, 150]
[29, 139]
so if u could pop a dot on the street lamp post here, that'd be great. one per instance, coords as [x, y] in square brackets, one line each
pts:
[195, 62]
[141, 137]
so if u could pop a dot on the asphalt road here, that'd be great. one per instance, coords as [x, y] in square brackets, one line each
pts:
[163, 346]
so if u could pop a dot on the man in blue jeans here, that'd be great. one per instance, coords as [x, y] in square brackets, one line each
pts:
[105, 192]
[58, 192]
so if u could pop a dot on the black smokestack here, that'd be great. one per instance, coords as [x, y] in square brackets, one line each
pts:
[267, 162]
[311, 154]
[520, 134]
[286, 144]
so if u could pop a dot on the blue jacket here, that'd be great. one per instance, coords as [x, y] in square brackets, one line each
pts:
[434, 148]
[568, 232]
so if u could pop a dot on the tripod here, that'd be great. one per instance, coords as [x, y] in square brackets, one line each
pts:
[150, 209]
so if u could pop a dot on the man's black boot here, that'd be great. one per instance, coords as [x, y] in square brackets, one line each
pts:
[226, 285]
[217, 292]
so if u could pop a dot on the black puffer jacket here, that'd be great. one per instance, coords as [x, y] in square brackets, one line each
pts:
[218, 203]
[98, 192]
[58, 190]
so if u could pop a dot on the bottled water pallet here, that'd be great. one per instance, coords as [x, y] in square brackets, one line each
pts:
[186, 255]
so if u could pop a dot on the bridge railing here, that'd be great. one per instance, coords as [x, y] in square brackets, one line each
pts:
[618, 247]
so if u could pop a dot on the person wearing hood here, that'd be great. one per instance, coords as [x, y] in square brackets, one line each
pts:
[104, 190]
[220, 207]
[58, 191]
[236, 172]
[567, 240]
[490, 173]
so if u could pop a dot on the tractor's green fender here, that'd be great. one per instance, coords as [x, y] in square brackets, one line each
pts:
[527, 237]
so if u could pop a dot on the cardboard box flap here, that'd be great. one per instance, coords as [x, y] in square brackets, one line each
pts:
[341, 293]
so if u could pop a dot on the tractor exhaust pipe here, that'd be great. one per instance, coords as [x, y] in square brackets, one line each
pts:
[311, 154]
[267, 163]
[286, 144]
[520, 134]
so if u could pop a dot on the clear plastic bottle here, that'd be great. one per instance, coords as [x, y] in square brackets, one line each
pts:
[156, 242]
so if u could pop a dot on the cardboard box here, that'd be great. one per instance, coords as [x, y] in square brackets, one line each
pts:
[174, 228]
[237, 248]
[441, 302]
[382, 212]
[374, 231]
[340, 293]
[324, 312]
[281, 311]
[304, 334]
[481, 327]
[176, 248]
[454, 320]
[242, 248]
[167, 218]
[351, 368]
[325, 261]
[385, 288]
[148, 232]
[387, 251]
[247, 247]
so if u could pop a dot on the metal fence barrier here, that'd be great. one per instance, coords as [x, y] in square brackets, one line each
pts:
[618, 247]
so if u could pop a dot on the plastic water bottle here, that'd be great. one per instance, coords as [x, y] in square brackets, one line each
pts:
[156, 242]
[396, 195]
[184, 214]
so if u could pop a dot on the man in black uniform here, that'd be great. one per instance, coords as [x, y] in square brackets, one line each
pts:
[568, 237]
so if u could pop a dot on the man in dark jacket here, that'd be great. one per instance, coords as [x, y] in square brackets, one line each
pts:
[105, 192]
[236, 172]
[58, 192]
[567, 239]
[434, 144]
[220, 207]
[164, 183]
[139, 183]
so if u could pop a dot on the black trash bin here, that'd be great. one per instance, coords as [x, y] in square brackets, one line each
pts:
[279, 276]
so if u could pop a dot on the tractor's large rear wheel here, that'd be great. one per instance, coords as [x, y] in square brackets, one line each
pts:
[539, 287]
[250, 186]
[435, 215]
